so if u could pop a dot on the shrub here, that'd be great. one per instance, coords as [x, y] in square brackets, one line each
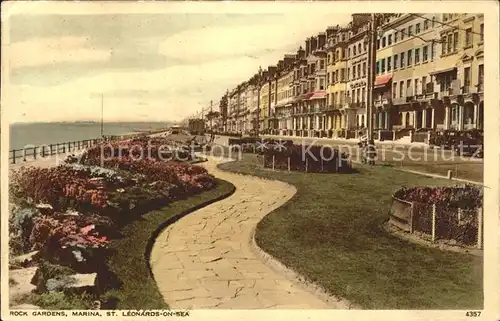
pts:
[20, 226]
[316, 159]
[466, 196]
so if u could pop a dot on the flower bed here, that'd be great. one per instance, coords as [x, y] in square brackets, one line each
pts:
[69, 213]
[314, 159]
[446, 213]
[159, 149]
[256, 145]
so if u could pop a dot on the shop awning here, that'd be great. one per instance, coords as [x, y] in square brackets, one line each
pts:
[442, 71]
[318, 95]
[306, 96]
[382, 80]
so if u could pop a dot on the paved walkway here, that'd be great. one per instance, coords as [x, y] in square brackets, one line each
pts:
[206, 260]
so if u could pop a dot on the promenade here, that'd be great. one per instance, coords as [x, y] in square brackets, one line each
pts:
[207, 260]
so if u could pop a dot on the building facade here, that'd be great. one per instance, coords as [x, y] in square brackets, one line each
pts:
[429, 76]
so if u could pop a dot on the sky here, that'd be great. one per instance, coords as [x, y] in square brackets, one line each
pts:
[147, 66]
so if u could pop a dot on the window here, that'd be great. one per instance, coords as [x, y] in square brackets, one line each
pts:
[443, 45]
[409, 58]
[468, 37]
[417, 56]
[321, 64]
[364, 69]
[408, 88]
[415, 86]
[354, 72]
[395, 62]
[425, 53]
[402, 60]
[358, 95]
[378, 67]
[389, 40]
[383, 65]
[402, 35]
[410, 30]
[481, 31]
[417, 28]
[349, 52]
[449, 44]
[354, 50]
[396, 36]
[342, 74]
[480, 78]
[383, 42]
[455, 41]
[466, 79]
[359, 48]
[424, 84]
[389, 64]
[426, 24]
[394, 90]
[321, 84]
[363, 95]
[348, 73]
[359, 70]
[401, 88]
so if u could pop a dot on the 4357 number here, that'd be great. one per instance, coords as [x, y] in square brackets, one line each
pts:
[473, 313]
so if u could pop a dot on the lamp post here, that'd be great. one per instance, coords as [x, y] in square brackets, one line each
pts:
[259, 85]
[102, 115]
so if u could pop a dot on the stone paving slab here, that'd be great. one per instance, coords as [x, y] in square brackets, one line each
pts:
[205, 260]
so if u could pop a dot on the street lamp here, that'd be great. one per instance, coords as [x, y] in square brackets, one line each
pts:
[259, 85]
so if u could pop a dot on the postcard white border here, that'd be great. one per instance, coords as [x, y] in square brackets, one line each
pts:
[491, 119]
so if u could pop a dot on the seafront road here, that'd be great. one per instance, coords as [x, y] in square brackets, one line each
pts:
[207, 260]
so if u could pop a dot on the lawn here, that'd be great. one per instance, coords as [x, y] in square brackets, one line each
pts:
[130, 261]
[331, 233]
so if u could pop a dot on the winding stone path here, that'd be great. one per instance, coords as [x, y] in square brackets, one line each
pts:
[206, 260]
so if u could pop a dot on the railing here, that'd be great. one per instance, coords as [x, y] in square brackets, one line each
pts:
[58, 148]
[51, 149]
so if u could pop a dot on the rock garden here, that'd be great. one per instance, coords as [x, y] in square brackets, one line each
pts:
[63, 219]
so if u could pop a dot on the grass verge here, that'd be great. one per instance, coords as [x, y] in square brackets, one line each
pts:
[331, 232]
[130, 261]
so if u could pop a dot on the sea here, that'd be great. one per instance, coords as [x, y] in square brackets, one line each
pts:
[24, 134]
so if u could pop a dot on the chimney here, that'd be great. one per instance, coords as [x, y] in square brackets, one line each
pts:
[300, 53]
[331, 31]
[321, 40]
[314, 43]
[359, 19]
[308, 46]
[280, 64]
[288, 60]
